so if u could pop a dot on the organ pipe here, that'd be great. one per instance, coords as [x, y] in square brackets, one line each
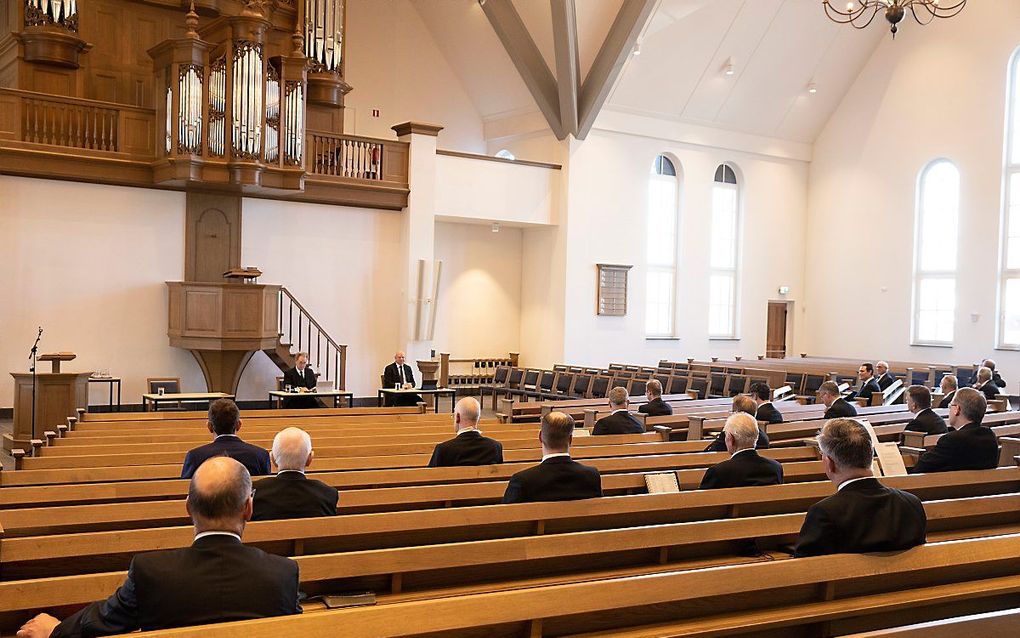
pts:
[247, 84]
[324, 25]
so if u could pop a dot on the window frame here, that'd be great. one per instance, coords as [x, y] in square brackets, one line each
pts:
[920, 275]
[674, 269]
[1009, 169]
[734, 271]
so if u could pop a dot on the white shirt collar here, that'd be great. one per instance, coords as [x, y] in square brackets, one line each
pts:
[282, 471]
[219, 436]
[620, 410]
[853, 480]
[214, 533]
[746, 449]
[555, 454]
[466, 430]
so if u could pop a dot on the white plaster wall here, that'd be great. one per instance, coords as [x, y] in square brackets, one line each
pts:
[88, 263]
[343, 264]
[479, 311]
[606, 223]
[394, 65]
[496, 191]
[937, 91]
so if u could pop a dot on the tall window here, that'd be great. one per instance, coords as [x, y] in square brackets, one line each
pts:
[1009, 279]
[663, 218]
[724, 281]
[938, 211]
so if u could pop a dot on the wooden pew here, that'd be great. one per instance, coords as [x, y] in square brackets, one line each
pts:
[994, 623]
[202, 415]
[916, 443]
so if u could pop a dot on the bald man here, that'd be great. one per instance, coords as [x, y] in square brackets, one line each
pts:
[985, 385]
[883, 376]
[469, 447]
[291, 494]
[399, 375]
[745, 466]
[217, 579]
[742, 404]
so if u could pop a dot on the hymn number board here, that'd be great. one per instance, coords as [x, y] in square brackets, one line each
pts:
[612, 290]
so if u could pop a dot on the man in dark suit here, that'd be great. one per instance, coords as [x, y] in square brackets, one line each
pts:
[619, 421]
[225, 423]
[469, 447]
[745, 466]
[216, 579]
[868, 385]
[863, 515]
[761, 394]
[971, 446]
[557, 477]
[742, 404]
[300, 378]
[291, 494]
[882, 376]
[919, 402]
[985, 385]
[655, 406]
[996, 379]
[948, 385]
[399, 375]
[835, 406]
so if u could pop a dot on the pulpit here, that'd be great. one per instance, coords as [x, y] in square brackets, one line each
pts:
[58, 395]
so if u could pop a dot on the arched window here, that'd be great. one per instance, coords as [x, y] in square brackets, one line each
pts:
[938, 212]
[663, 231]
[1009, 277]
[505, 154]
[724, 258]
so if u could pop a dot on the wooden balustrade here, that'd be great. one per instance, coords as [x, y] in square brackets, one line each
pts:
[342, 156]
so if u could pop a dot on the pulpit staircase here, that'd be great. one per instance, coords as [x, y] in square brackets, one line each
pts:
[300, 332]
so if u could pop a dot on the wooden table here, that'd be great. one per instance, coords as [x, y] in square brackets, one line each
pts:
[156, 399]
[435, 392]
[112, 381]
[280, 395]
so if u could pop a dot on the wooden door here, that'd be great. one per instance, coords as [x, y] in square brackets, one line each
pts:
[775, 339]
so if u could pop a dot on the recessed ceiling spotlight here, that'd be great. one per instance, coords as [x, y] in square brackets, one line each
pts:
[812, 88]
[637, 49]
[495, 228]
[729, 68]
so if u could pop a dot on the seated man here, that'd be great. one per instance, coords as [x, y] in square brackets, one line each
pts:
[469, 447]
[217, 579]
[655, 406]
[882, 376]
[399, 375]
[300, 377]
[925, 420]
[948, 385]
[742, 404]
[863, 515]
[291, 494]
[985, 385]
[225, 423]
[745, 466]
[619, 421]
[835, 406]
[971, 446]
[868, 385]
[761, 394]
[557, 477]
[996, 379]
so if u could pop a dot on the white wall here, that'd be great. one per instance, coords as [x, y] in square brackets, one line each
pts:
[936, 91]
[479, 311]
[88, 263]
[488, 190]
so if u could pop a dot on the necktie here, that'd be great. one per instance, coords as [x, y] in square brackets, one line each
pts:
[402, 380]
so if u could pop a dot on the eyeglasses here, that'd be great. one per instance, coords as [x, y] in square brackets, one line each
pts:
[252, 495]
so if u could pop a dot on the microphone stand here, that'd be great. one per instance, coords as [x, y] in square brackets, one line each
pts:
[32, 356]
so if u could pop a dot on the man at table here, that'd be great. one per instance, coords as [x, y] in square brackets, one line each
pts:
[399, 374]
[300, 378]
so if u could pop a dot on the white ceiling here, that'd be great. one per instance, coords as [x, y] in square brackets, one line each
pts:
[777, 46]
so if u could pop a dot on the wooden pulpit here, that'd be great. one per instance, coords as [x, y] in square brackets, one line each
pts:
[58, 395]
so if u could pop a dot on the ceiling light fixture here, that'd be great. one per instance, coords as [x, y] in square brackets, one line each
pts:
[729, 68]
[637, 48]
[812, 88]
[861, 13]
[495, 228]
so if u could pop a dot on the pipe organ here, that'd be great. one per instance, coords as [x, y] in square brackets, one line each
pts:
[324, 34]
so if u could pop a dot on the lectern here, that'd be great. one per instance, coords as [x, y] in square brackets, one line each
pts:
[58, 395]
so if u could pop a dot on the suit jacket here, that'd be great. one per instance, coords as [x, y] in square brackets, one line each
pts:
[867, 389]
[768, 413]
[744, 469]
[840, 409]
[864, 516]
[467, 448]
[972, 447]
[928, 422]
[946, 399]
[291, 494]
[617, 423]
[559, 478]
[656, 407]
[989, 389]
[719, 444]
[251, 456]
[296, 379]
[217, 579]
[391, 375]
[997, 380]
[885, 381]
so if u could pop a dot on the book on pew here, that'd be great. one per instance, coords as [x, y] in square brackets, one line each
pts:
[347, 599]
[662, 483]
[890, 460]
[581, 432]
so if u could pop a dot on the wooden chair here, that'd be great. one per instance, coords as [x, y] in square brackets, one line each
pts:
[169, 385]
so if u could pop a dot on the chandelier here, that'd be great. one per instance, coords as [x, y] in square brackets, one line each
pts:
[861, 13]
